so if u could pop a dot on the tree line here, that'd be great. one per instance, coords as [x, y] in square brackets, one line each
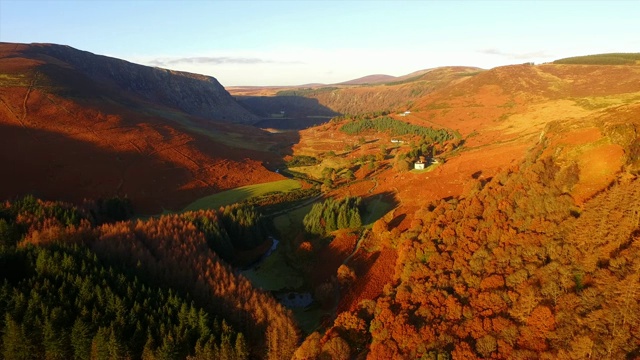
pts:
[330, 215]
[395, 128]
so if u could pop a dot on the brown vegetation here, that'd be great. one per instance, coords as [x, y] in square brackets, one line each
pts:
[504, 261]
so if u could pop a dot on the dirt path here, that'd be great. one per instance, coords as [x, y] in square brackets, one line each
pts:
[26, 97]
[12, 113]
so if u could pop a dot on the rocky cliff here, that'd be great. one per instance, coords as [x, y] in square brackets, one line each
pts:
[194, 94]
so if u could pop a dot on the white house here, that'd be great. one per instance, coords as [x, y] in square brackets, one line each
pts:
[418, 165]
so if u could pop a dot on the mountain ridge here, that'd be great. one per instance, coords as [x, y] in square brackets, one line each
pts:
[194, 94]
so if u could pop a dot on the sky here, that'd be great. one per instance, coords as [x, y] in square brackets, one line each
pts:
[295, 42]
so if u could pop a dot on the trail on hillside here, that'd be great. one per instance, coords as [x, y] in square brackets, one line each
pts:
[26, 96]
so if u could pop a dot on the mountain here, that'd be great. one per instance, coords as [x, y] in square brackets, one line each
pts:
[370, 79]
[194, 94]
[380, 79]
[77, 125]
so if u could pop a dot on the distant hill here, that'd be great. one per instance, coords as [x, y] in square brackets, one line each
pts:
[380, 79]
[369, 94]
[396, 95]
[370, 79]
[602, 59]
[75, 125]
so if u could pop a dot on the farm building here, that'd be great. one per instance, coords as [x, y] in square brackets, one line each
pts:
[419, 165]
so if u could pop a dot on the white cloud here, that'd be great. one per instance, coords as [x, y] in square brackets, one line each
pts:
[295, 66]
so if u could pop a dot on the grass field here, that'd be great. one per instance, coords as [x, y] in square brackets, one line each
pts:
[427, 169]
[375, 210]
[602, 59]
[290, 224]
[231, 139]
[274, 274]
[309, 319]
[315, 171]
[242, 193]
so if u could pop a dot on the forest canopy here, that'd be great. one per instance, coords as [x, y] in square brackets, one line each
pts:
[74, 288]
[331, 215]
[395, 128]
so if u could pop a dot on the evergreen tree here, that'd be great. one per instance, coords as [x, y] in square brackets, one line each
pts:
[343, 220]
[354, 219]
[14, 341]
[148, 352]
[54, 341]
[331, 223]
[242, 350]
[81, 340]
[226, 350]
[100, 345]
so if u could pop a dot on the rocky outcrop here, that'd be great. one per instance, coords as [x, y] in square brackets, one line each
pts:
[194, 94]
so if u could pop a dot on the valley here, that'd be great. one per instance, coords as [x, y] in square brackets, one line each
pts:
[452, 213]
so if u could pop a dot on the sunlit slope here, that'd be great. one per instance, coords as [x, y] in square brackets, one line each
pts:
[392, 96]
[523, 243]
[503, 112]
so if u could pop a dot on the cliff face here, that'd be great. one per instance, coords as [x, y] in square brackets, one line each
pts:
[194, 94]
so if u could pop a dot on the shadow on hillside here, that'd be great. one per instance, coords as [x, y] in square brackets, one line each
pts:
[53, 166]
[287, 112]
[396, 221]
[362, 264]
[377, 206]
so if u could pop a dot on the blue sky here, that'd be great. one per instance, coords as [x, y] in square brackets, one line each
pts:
[298, 42]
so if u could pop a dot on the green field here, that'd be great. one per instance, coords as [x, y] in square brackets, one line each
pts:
[376, 209]
[309, 319]
[274, 274]
[233, 196]
[232, 139]
[602, 59]
[427, 169]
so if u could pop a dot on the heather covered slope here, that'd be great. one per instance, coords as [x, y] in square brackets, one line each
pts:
[521, 243]
[395, 96]
[367, 95]
[537, 261]
[68, 134]
[516, 271]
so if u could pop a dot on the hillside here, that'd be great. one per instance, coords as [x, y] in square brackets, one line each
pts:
[77, 125]
[370, 94]
[602, 59]
[193, 94]
[370, 79]
[393, 96]
[152, 289]
[544, 148]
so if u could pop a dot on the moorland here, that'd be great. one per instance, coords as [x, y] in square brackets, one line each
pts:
[452, 213]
